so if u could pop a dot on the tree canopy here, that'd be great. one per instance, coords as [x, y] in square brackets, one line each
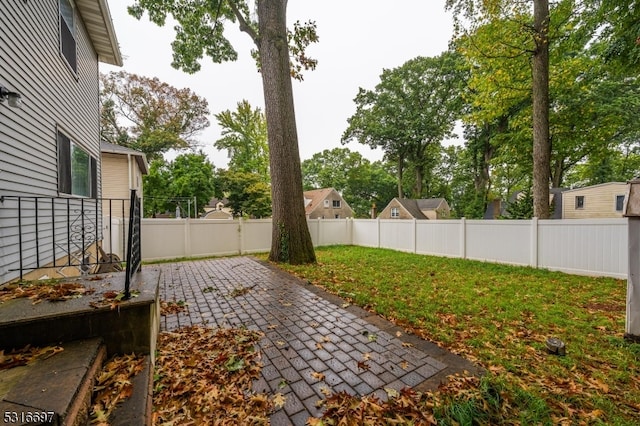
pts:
[408, 114]
[148, 115]
[248, 194]
[186, 183]
[244, 136]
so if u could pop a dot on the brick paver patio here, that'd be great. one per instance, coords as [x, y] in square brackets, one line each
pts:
[306, 331]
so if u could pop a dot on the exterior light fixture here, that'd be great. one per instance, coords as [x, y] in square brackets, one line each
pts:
[14, 98]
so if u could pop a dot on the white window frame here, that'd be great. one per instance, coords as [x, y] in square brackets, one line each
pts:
[395, 212]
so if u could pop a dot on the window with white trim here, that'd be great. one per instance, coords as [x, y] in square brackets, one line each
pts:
[326, 203]
[336, 204]
[77, 170]
[68, 34]
[395, 212]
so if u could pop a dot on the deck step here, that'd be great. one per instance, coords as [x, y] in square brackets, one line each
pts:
[60, 385]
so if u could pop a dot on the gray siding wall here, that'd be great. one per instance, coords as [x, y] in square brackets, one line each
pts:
[54, 97]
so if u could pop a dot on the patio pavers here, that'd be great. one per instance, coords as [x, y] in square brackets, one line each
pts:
[312, 343]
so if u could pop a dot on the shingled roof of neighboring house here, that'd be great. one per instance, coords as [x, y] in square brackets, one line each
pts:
[430, 203]
[412, 206]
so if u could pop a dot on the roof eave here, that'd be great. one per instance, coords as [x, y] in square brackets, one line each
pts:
[97, 20]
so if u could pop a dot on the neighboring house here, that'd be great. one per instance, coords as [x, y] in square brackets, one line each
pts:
[597, 201]
[497, 208]
[326, 203]
[407, 208]
[122, 171]
[217, 209]
[50, 147]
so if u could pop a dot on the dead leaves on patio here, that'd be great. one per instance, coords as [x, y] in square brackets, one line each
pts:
[204, 377]
[37, 291]
[169, 308]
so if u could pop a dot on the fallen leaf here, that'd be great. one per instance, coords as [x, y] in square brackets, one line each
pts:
[279, 400]
[318, 376]
[362, 365]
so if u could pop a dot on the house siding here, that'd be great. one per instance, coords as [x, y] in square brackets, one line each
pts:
[54, 98]
[319, 211]
[116, 176]
[117, 169]
[599, 201]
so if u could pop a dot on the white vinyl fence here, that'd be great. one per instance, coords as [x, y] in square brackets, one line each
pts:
[581, 246]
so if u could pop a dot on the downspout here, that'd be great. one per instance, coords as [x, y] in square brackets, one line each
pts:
[129, 172]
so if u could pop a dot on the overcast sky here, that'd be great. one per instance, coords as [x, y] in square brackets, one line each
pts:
[358, 39]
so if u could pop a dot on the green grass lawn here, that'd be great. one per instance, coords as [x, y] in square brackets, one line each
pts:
[500, 317]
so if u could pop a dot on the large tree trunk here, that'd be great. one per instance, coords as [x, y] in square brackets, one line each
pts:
[291, 240]
[400, 175]
[418, 188]
[541, 145]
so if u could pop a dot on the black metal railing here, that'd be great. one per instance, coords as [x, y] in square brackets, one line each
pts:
[134, 243]
[62, 232]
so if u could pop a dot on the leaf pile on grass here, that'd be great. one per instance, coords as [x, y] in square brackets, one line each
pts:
[405, 407]
[39, 291]
[500, 317]
[204, 376]
[169, 308]
[26, 355]
[113, 386]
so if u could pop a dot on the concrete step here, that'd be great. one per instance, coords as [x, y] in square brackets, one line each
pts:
[137, 409]
[129, 327]
[53, 391]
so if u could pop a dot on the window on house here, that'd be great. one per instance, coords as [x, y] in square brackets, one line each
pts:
[395, 212]
[77, 170]
[579, 201]
[336, 204]
[337, 216]
[619, 203]
[326, 203]
[68, 33]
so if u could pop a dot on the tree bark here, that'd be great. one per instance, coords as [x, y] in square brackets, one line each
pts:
[400, 175]
[540, 87]
[291, 240]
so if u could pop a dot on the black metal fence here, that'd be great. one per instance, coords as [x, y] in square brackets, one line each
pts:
[59, 233]
[134, 242]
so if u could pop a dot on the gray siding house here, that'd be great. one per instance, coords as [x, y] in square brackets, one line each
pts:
[50, 146]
